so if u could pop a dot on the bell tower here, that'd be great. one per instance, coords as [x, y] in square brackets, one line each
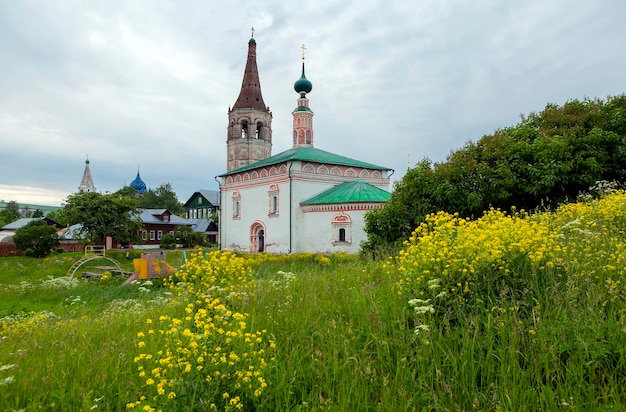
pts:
[249, 121]
[302, 115]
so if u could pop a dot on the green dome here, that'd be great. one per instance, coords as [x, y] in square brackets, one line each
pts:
[303, 85]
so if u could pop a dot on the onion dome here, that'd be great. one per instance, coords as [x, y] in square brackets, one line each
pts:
[138, 184]
[303, 85]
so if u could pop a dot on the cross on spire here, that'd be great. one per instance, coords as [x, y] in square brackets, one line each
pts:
[252, 30]
[303, 47]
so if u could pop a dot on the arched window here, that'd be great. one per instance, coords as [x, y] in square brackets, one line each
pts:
[295, 137]
[236, 205]
[342, 229]
[259, 127]
[273, 200]
[244, 129]
[308, 137]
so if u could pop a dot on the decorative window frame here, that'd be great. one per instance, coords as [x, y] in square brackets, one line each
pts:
[341, 221]
[144, 235]
[159, 235]
[273, 200]
[236, 205]
[152, 235]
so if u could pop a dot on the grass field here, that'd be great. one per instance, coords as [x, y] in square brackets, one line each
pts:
[509, 312]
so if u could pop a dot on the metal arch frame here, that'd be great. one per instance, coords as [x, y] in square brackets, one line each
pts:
[89, 259]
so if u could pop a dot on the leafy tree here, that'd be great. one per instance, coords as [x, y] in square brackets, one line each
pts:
[103, 215]
[129, 191]
[188, 238]
[38, 213]
[168, 241]
[37, 236]
[545, 160]
[57, 216]
[163, 197]
[8, 215]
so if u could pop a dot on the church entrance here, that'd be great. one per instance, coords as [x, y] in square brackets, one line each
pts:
[257, 237]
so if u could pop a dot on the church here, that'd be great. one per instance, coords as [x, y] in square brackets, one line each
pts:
[301, 200]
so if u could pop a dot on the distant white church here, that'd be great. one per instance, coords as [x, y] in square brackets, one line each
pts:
[303, 199]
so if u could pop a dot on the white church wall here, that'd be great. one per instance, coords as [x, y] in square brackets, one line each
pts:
[312, 231]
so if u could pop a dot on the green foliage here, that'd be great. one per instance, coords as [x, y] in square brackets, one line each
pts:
[545, 160]
[472, 314]
[168, 241]
[8, 215]
[57, 216]
[36, 236]
[188, 238]
[163, 197]
[103, 215]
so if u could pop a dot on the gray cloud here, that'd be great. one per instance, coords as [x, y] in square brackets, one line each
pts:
[148, 83]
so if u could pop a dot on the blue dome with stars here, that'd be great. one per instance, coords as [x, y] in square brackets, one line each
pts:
[138, 184]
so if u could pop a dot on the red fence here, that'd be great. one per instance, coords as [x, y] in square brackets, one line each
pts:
[9, 250]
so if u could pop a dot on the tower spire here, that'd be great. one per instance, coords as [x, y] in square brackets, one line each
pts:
[302, 115]
[250, 96]
[86, 184]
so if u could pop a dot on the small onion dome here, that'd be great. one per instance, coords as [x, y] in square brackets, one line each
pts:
[138, 184]
[303, 85]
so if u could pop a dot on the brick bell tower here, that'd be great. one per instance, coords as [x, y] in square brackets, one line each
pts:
[249, 120]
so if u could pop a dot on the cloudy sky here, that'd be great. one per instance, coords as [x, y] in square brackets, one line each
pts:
[147, 83]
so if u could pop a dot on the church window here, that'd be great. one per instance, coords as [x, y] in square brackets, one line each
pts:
[236, 205]
[308, 137]
[244, 129]
[295, 137]
[342, 229]
[259, 126]
[273, 200]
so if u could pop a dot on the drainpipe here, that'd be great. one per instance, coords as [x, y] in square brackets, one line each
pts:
[290, 207]
[219, 215]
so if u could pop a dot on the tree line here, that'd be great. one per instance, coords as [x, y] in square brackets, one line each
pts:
[547, 159]
[101, 215]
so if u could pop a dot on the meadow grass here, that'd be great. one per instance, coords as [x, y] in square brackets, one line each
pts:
[509, 312]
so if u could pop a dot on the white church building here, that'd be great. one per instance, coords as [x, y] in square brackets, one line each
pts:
[303, 199]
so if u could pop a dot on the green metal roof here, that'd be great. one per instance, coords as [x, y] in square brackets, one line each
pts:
[306, 154]
[349, 192]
